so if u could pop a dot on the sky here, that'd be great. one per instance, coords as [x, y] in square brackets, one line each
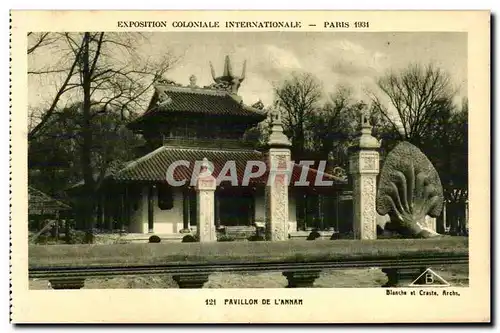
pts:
[351, 59]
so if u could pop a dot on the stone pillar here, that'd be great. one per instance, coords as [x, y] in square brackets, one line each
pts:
[301, 279]
[364, 168]
[276, 195]
[401, 277]
[205, 208]
[71, 283]
[190, 281]
[217, 212]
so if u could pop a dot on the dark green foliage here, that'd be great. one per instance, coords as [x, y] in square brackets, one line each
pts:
[75, 237]
[154, 239]
[89, 237]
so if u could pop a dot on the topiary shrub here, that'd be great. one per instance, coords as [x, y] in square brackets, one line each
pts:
[154, 239]
[314, 235]
[189, 239]
[409, 189]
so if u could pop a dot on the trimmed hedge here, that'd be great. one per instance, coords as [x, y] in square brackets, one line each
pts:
[154, 239]
[313, 235]
[252, 252]
[189, 239]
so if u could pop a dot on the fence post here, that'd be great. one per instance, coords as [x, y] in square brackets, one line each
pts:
[301, 279]
[75, 283]
[190, 280]
[401, 277]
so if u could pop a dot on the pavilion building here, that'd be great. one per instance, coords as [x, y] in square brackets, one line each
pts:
[192, 123]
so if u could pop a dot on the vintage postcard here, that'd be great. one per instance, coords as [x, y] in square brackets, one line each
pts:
[250, 166]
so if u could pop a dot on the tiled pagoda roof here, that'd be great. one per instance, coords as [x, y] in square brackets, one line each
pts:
[39, 203]
[173, 99]
[153, 166]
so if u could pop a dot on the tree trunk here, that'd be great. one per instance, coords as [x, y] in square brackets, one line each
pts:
[88, 177]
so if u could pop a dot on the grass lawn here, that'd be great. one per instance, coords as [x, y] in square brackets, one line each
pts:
[124, 255]
[253, 252]
[456, 275]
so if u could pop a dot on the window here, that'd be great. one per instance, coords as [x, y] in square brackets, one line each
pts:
[165, 197]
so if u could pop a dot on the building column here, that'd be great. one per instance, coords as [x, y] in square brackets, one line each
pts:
[185, 211]
[278, 159]
[205, 207]
[151, 203]
[364, 168]
[217, 211]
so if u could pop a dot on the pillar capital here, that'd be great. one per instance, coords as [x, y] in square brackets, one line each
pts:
[277, 138]
[364, 139]
[364, 162]
[205, 180]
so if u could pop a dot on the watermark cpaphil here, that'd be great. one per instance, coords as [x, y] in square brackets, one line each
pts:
[280, 172]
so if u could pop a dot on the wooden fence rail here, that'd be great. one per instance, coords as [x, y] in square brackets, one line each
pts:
[190, 264]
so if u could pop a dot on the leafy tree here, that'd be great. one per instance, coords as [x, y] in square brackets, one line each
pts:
[55, 156]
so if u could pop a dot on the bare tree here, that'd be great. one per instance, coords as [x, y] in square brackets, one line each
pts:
[416, 94]
[38, 40]
[297, 98]
[107, 72]
[333, 125]
[40, 116]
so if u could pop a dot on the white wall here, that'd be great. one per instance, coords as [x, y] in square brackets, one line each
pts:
[260, 209]
[260, 206]
[171, 221]
[165, 221]
[137, 217]
[168, 221]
